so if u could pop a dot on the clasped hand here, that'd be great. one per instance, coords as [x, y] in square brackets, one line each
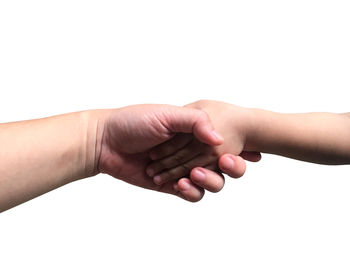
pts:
[170, 149]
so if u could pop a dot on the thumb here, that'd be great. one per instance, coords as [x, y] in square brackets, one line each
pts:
[194, 121]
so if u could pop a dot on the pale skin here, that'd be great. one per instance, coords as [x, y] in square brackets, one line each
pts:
[37, 156]
[322, 138]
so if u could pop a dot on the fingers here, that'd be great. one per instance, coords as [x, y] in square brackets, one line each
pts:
[193, 190]
[184, 169]
[169, 147]
[251, 156]
[188, 120]
[188, 190]
[208, 179]
[184, 155]
[184, 189]
[232, 165]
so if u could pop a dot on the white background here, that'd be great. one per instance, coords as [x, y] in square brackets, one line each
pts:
[286, 56]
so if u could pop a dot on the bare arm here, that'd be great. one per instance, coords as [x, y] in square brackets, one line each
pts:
[37, 156]
[314, 137]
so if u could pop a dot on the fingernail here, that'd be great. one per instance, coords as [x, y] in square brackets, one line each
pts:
[157, 179]
[198, 175]
[150, 171]
[185, 186]
[217, 136]
[229, 164]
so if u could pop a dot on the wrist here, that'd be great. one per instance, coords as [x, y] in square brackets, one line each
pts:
[265, 132]
[244, 122]
[93, 130]
[257, 120]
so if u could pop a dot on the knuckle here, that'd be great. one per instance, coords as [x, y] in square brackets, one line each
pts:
[178, 172]
[185, 169]
[171, 174]
[177, 159]
[169, 162]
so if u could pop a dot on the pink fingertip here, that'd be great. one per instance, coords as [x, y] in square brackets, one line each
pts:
[184, 186]
[198, 175]
[228, 164]
[176, 188]
[157, 180]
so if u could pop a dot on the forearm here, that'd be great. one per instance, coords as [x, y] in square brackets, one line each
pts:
[37, 156]
[314, 137]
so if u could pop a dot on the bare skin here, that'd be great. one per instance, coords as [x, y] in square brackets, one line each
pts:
[322, 138]
[37, 156]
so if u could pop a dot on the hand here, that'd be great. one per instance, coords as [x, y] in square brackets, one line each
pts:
[175, 158]
[129, 133]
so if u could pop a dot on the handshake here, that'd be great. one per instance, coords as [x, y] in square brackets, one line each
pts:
[177, 150]
[184, 150]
